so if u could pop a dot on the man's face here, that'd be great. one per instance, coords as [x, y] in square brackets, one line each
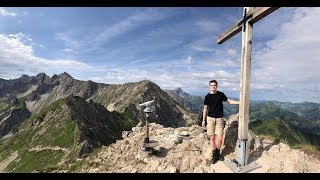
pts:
[213, 86]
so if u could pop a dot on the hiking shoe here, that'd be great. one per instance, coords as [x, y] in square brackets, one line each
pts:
[220, 157]
[215, 156]
[213, 160]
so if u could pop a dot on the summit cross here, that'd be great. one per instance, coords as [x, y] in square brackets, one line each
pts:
[251, 15]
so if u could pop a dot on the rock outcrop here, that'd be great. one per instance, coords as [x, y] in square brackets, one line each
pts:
[97, 125]
[12, 113]
[12, 120]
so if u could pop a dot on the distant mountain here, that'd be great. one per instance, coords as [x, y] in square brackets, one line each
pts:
[37, 92]
[41, 90]
[129, 95]
[308, 110]
[191, 103]
[268, 110]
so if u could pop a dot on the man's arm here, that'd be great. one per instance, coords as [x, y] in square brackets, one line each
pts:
[204, 116]
[230, 101]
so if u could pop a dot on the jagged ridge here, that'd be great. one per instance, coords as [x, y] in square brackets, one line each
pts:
[67, 129]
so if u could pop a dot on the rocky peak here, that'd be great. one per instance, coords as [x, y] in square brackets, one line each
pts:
[65, 75]
[54, 77]
[13, 87]
[178, 93]
[145, 83]
[43, 78]
[65, 78]
[148, 83]
[24, 78]
[179, 90]
[189, 102]
[41, 75]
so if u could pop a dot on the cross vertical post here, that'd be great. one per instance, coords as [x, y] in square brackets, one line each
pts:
[244, 90]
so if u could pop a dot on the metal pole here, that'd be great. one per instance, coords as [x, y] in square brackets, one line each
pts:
[146, 139]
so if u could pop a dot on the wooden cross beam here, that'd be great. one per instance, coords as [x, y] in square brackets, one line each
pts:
[254, 16]
[250, 16]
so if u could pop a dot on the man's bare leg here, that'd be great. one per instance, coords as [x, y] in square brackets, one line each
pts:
[218, 144]
[219, 141]
[212, 142]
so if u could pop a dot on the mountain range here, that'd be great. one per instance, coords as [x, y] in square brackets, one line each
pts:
[61, 118]
[47, 122]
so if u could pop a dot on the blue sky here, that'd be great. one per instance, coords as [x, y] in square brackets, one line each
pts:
[173, 47]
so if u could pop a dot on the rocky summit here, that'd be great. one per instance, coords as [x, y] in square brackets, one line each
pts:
[187, 150]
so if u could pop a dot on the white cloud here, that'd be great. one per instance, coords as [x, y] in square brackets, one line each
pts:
[189, 62]
[119, 75]
[208, 26]
[202, 49]
[20, 37]
[269, 25]
[222, 63]
[67, 50]
[232, 52]
[5, 12]
[286, 67]
[97, 36]
[291, 60]
[17, 58]
[170, 76]
[128, 24]
[97, 79]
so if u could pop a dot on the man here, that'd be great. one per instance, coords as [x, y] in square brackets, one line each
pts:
[213, 113]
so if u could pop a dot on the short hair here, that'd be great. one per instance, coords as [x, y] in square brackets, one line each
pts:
[213, 81]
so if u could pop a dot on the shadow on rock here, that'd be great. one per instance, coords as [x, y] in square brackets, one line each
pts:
[258, 152]
[161, 152]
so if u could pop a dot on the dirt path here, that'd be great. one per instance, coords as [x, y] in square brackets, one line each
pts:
[7, 161]
[55, 148]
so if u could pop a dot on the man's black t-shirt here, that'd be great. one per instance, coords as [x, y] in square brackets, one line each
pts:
[214, 102]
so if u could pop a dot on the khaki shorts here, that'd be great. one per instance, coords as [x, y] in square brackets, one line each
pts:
[215, 126]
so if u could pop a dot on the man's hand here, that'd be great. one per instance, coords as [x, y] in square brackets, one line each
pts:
[203, 124]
